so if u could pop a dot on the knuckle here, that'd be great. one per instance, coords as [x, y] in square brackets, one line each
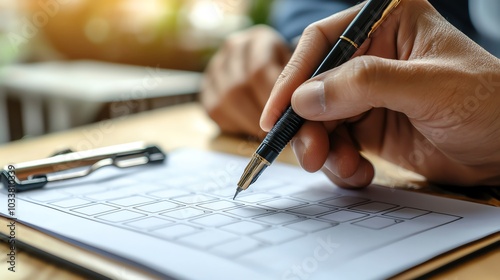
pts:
[301, 59]
[363, 74]
[235, 40]
[263, 76]
[292, 67]
[258, 74]
[311, 28]
[214, 112]
[261, 29]
[230, 43]
[295, 66]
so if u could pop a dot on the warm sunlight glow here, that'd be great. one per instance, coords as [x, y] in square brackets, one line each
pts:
[137, 13]
[97, 30]
[206, 15]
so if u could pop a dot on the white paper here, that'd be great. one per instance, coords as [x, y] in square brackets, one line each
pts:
[179, 220]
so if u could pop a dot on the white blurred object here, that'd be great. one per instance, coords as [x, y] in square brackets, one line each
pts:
[213, 15]
[74, 91]
[217, 18]
[8, 10]
[7, 17]
[485, 15]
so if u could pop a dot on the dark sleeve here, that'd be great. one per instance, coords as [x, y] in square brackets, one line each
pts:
[456, 12]
[290, 17]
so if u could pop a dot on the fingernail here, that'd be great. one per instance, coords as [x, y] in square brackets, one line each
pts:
[332, 166]
[309, 99]
[298, 148]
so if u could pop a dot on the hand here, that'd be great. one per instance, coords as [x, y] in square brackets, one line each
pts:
[239, 79]
[419, 93]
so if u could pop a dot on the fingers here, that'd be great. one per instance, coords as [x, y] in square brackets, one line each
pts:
[420, 72]
[311, 145]
[222, 93]
[412, 25]
[399, 66]
[268, 62]
[230, 117]
[344, 165]
[313, 46]
[370, 82]
[239, 79]
[421, 89]
[336, 154]
[361, 178]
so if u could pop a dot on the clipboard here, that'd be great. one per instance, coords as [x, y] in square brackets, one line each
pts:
[68, 165]
[491, 240]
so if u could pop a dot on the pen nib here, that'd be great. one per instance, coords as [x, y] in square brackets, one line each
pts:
[238, 190]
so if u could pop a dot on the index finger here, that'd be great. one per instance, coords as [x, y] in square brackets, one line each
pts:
[314, 44]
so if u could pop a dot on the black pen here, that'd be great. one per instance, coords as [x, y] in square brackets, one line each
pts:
[364, 24]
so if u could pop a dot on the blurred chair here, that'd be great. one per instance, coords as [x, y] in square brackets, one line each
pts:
[4, 119]
[54, 96]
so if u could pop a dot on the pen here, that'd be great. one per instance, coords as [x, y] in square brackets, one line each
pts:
[364, 24]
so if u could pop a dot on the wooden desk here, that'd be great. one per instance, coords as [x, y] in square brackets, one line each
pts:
[180, 126]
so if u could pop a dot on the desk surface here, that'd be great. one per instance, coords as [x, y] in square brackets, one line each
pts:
[185, 126]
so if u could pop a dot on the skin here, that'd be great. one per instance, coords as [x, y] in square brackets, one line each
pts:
[235, 90]
[419, 93]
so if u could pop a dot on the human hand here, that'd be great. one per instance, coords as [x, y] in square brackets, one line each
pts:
[419, 93]
[240, 76]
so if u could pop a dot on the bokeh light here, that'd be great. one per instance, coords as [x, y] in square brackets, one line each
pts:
[178, 34]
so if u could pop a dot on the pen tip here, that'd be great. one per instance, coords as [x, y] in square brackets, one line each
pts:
[238, 190]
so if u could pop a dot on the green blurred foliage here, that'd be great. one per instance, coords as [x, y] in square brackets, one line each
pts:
[259, 11]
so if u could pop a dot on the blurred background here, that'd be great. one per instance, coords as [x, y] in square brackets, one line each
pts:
[65, 63]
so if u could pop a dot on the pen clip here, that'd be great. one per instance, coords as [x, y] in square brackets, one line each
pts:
[385, 14]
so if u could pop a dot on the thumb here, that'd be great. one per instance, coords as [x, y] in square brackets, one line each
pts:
[368, 82]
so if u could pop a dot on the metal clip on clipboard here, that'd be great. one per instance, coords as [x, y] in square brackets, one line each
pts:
[36, 174]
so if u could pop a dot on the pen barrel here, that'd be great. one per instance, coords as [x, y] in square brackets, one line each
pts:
[277, 139]
[339, 54]
[368, 19]
[289, 123]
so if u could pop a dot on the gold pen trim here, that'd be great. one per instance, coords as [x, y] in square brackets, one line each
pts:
[385, 14]
[254, 167]
[349, 41]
